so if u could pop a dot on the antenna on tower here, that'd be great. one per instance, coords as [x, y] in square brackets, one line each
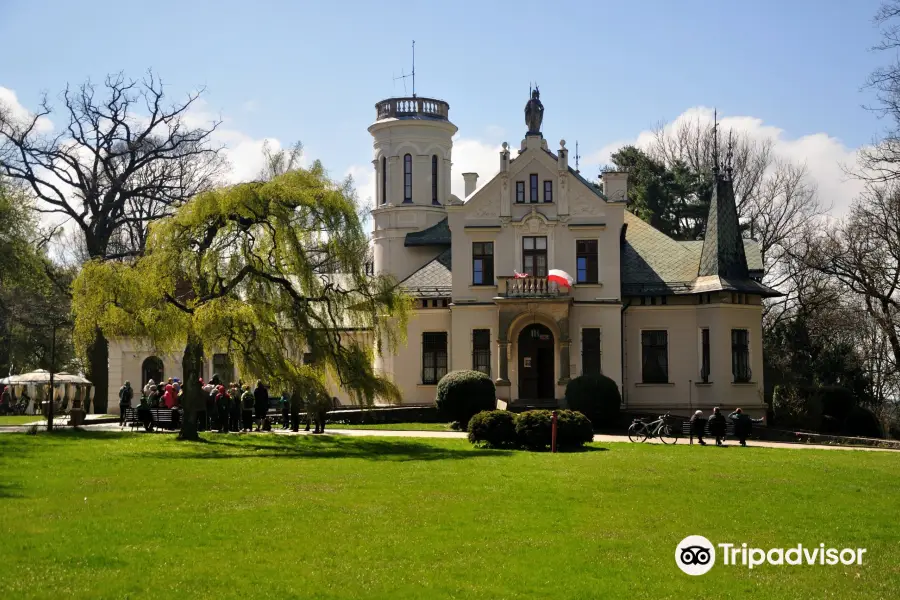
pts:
[403, 76]
[577, 157]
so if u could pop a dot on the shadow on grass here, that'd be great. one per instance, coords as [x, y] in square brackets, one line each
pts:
[307, 447]
[10, 490]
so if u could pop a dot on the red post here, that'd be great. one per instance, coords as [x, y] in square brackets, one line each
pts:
[553, 432]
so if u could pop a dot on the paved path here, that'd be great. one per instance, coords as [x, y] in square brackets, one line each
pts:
[600, 438]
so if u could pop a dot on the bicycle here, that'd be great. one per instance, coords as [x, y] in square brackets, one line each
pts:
[640, 431]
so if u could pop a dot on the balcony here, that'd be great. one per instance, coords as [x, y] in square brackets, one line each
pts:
[406, 108]
[530, 287]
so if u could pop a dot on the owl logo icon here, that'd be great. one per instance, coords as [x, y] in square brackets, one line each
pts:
[695, 555]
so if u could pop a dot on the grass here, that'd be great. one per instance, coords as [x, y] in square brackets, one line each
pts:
[394, 426]
[120, 515]
[19, 419]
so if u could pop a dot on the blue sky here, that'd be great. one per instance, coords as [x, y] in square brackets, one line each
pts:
[312, 71]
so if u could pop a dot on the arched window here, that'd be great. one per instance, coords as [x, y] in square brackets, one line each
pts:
[152, 368]
[383, 179]
[407, 178]
[434, 179]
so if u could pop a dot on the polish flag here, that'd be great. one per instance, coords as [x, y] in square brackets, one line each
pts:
[560, 277]
[519, 275]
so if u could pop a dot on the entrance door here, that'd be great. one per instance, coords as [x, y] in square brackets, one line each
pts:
[536, 363]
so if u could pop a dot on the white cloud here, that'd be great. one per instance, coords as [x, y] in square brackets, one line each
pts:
[825, 156]
[473, 156]
[10, 102]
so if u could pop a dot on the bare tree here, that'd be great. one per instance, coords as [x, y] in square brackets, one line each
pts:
[279, 162]
[862, 254]
[881, 161]
[123, 158]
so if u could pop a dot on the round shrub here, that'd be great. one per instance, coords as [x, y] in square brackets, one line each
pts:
[862, 422]
[462, 394]
[533, 429]
[596, 397]
[493, 428]
[573, 429]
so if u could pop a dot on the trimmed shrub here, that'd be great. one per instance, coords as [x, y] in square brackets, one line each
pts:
[596, 397]
[493, 428]
[533, 429]
[463, 394]
[573, 429]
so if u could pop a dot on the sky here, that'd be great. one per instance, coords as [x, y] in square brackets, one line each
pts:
[792, 70]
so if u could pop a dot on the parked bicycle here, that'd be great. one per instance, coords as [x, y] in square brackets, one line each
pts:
[640, 431]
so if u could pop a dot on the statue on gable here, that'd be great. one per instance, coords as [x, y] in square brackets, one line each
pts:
[534, 113]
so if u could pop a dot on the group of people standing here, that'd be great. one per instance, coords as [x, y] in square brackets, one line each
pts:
[235, 407]
[743, 425]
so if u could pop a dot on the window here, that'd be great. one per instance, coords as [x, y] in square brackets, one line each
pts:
[223, 367]
[740, 355]
[383, 179]
[534, 187]
[655, 356]
[704, 355]
[434, 356]
[548, 191]
[407, 178]
[534, 256]
[590, 351]
[434, 179]
[586, 261]
[483, 263]
[520, 192]
[481, 351]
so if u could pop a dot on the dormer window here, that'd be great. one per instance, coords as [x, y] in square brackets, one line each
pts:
[407, 178]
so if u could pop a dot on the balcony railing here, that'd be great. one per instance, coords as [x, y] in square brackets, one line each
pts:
[397, 108]
[531, 287]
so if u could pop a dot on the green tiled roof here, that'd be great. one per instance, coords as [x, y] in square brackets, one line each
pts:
[751, 251]
[436, 235]
[434, 279]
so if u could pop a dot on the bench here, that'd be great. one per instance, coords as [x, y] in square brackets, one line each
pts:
[164, 418]
[688, 431]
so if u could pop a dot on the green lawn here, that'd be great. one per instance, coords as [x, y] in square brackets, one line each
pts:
[19, 419]
[394, 426]
[120, 515]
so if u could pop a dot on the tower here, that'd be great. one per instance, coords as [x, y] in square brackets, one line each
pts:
[412, 146]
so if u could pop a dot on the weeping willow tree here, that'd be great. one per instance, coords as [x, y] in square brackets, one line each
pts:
[266, 271]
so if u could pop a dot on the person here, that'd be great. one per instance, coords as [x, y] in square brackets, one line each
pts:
[153, 397]
[147, 387]
[698, 424]
[125, 396]
[743, 425]
[717, 426]
[223, 408]
[209, 400]
[285, 403]
[247, 402]
[261, 396]
[168, 397]
[5, 401]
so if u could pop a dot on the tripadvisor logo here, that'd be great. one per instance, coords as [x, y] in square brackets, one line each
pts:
[696, 555]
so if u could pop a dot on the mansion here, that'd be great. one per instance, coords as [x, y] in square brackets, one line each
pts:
[677, 324]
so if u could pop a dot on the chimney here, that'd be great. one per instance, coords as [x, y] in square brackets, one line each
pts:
[615, 186]
[471, 179]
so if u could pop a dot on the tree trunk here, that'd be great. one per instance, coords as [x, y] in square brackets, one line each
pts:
[98, 372]
[192, 403]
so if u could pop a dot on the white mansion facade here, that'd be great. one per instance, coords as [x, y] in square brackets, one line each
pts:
[676, 324]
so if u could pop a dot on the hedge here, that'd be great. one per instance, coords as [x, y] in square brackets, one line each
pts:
[463, 394]
[493, 428]
[595, 396]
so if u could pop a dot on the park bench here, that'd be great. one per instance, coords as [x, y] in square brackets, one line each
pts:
[688, 432]
[159, 417]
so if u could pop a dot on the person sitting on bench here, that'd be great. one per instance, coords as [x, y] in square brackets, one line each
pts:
[698, 424]
[717, 426]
